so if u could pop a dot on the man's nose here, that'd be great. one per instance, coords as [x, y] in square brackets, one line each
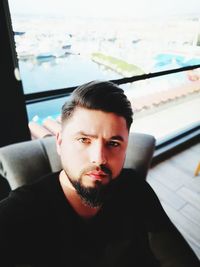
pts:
[98, 154]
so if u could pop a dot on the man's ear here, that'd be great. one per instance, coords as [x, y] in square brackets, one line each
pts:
[58, 141]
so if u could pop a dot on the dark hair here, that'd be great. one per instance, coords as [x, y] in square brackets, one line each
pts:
[99, 95]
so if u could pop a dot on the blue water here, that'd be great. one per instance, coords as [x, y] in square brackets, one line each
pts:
[61, 73]
[174, 61]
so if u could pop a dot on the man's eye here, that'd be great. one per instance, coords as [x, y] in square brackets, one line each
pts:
[113, 144]
[84, 140]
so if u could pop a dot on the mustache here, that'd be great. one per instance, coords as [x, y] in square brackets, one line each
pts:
[95, 168]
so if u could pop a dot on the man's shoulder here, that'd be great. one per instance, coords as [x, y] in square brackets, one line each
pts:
[41, 182]
[140, 195]
[135, 186]
[128, 184]
[45, 182]
[131, 177]
[40, 187]
[128, 172]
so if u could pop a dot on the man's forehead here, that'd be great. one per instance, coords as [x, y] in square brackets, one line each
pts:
[94, 122]
[80, 113]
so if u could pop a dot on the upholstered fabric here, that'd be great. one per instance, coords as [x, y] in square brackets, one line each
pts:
[23, 162]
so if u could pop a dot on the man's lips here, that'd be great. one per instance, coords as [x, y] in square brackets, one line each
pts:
[97, 175]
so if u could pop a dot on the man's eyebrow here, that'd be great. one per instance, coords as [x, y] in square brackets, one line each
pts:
[115, 137]
[86, 134]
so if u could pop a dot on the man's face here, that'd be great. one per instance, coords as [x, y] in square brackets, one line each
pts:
[92, 146]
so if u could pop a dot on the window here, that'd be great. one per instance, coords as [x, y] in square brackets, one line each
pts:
[62, 44]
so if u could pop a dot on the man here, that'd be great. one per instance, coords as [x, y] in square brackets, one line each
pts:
[93, 212]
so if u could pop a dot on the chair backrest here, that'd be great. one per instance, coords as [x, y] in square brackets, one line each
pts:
[22, 163]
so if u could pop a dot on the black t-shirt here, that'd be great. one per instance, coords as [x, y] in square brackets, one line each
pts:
[38, 226]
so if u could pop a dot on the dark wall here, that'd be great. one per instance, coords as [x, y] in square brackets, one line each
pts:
[13, 116]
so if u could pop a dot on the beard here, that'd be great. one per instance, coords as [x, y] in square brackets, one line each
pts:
[95, 196]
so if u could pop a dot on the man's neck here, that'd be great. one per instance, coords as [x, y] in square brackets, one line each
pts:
[74, 199]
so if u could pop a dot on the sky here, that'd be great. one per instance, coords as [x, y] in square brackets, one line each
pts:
[106, 8]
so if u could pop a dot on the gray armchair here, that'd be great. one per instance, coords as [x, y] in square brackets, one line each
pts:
[21, 163]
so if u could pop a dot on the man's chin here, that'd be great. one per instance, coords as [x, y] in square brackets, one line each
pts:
[92, 185]
[92, 195]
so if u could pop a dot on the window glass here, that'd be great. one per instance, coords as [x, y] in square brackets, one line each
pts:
[65, 43]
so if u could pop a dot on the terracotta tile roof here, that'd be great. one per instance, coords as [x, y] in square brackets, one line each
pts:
[52, 126]
[158, 98]
[49, 127]
[38, 131]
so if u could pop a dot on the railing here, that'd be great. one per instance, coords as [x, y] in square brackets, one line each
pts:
[58, 93]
